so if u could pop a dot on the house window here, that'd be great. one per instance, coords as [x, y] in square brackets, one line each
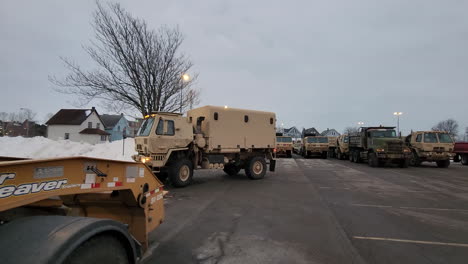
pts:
[103, 138]
[118, 128]
[216, 116]
[90, 124]
[67, 136]
[98, 125]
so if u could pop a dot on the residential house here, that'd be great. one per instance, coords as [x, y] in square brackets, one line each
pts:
[81, 125]
[116, 125]
[330, 133]
[310, 131]
[292, 132]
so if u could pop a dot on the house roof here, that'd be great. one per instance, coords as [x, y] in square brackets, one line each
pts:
[110, 120]
[94, 131]
[69, 117]
[325, 132]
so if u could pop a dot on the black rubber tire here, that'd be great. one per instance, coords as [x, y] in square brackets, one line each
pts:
[231, 169]
[175, 176]
[356, 157]
[404, 163]
[324, 155]
[415, 160]
[443, 163]
[351, 156]
[456, 158]
[373, 160]
[289, 154]
[464, 159]
[250, 168]
[101, 249]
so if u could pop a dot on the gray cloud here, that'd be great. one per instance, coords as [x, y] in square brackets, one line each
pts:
[314, 63]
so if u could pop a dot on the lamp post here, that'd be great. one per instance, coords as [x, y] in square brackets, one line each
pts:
[360, 123]
[185, 78]
[398, 114]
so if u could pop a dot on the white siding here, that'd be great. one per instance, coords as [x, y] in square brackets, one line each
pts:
[57, 132]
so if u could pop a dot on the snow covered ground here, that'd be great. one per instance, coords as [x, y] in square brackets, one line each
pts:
[40, 148]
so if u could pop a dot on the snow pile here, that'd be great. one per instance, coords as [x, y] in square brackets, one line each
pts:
[41, 148]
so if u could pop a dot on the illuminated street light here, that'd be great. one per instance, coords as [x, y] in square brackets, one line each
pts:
[360, 123]
[398, 114]
[185, 78]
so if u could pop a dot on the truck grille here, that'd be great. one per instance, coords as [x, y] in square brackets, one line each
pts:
[439, 149]
[139, 147]
[397, 148]
[158, 157]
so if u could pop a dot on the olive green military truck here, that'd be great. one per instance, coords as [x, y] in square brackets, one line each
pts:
[314, 146]
[284, 145]
[430, 146]
[377, 146]
[209, 137]
[342, 147]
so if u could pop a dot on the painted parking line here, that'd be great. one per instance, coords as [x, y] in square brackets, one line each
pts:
[411, 241]
[410, 207]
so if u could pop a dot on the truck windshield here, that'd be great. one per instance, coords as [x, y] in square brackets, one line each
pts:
[284, 139]
[445, 138]
[345, 139]
[145, 128]
[383, 134]
[430, 138]
[317, 140]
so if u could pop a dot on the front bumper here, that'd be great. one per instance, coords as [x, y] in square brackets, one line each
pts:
[434, 156]
[383, 155]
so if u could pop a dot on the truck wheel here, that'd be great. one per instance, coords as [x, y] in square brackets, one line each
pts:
[100, 249]
[404, 163]
[289, 154]
[356, 157]
[443, 163]
[373, 160]
[324, 154]
[414, 160]
[351, 156]
[181, 173]
[456, 158]
[464, 159]
[256, 169]
[231, 169]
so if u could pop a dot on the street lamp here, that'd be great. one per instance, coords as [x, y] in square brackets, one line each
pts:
[398, 114]
[184, 78]
[360, 123]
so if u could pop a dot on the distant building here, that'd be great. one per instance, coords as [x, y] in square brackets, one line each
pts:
[310, 131]
[18, 129]
[330, 133]
[81, 125]
[292, 132]
[116, 126]
[134, 127]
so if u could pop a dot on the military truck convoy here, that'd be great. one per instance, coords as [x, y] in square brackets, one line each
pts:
[313, 145]
[284, 146]
[209, 137]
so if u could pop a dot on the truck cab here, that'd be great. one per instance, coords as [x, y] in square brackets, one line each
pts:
[315, 146]
[284, 146]
[430, 146]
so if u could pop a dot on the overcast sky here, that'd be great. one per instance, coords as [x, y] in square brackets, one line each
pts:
[326, 64]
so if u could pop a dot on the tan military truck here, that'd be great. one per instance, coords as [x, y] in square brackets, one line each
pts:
[315, 146]
[209, 137]
[430, 146]
[284, 145]
[332, 144]
[342, 147]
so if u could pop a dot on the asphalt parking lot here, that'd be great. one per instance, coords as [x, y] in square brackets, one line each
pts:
[318, 211]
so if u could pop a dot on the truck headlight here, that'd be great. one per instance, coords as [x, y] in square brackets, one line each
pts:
[406, 150]
[145, 159]
[380, 150]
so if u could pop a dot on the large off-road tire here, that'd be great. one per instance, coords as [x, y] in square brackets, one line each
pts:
[181, 173]
[464, 159]
[231, 169]
[289, 154]
[356, 157]
[443, 163]
[101, 249]
[351, 156]
[415, 160]
[372, 160]
[404, 163]
[256, 168]
[456, 158]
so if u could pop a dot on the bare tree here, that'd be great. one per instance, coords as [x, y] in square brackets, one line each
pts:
[26, 114]
[138, 67]
[3, 116]
[351, 130]
[450, 126]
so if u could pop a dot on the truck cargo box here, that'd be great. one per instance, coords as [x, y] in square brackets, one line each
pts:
[234, 129]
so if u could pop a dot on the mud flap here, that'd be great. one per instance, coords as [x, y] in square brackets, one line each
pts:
[272, 165]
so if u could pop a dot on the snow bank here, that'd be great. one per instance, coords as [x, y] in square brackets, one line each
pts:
[40, 148]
